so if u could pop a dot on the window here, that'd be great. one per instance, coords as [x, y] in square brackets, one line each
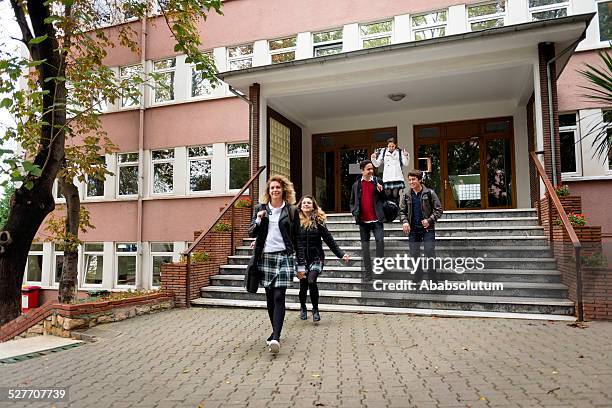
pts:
[200, 168]
[327, 42]
[486, 15]
[282, 50]
[547, 9]
[604, 14]
[200, 85]
[94, 263]
[238, 165]
[280, 148]
[129, 77]
[240, 57]
[127, 169]
[35, 262]
[163, 73]
[607, 118]
[162, 162]
[161, 253]
[58, 262]
[430, 25]
[570, 149]
[94, 185]
[376, 34]
[125, 254]
[59, 193]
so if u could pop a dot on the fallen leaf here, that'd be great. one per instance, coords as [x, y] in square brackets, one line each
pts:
[553, 390]
[466, 349]
[316, 376]
[185, 371]
[581, 356]
[483, 398]
[319, 404]
[227, 381]
[555, 372]
[578, 325]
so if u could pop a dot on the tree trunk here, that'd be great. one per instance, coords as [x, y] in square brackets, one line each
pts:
[69, 279]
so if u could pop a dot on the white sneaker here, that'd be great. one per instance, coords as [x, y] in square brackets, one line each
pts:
[274, 346]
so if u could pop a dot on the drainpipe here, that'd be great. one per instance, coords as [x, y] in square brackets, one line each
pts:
[141, 112]
[551, 119]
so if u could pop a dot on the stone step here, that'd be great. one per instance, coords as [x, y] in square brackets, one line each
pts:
[462, 214]
[512, 304]
[520, 289]
[455, 241]
[459, 222]
[478, 232]
[261, 304]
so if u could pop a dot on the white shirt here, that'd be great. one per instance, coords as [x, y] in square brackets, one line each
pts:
[274, 239]
[392, 170]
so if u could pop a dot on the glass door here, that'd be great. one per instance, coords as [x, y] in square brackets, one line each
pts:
[349, 172]
[464, 179]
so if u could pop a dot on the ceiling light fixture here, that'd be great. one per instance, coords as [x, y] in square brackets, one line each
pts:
[396, 97]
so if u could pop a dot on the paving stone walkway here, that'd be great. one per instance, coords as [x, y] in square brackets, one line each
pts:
[215, 357]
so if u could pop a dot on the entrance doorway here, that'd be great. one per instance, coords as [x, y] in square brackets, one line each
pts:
[335, 163]
[472, 162]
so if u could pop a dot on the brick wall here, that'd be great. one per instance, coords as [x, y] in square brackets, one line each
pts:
[597, 293]
[569, 203]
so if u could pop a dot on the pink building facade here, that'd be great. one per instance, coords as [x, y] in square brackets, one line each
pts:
[470, 84]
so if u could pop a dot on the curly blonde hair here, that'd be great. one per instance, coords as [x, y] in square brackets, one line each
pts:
[317, 216]
[286, 187]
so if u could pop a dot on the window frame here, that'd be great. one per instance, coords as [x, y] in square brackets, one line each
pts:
[327, 44]
[86, 252]
[152, 255]
[603, 42]
[55, 190]
[41, 253]
[282, 50]
[414, 28]
[56, 253]
[366, 37]
[577, 144]
[116, 265]
[86, 185]
[480, 19]
[250, 56]
[122, 77]
[152, 171]
[549, 7]
[118, 176]
[228, 158]
[172, 71]
[188, 172]
[608, 169]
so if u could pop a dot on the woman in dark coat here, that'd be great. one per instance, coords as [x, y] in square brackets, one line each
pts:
[310, 254]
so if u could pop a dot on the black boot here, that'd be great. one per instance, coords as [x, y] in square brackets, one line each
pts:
[303, 314]
[315, 315]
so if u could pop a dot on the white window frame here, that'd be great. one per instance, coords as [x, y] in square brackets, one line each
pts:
[121, 77]
[367, 37]
[170, 70]
[86, 185]
[577, 146]
[86, 252]
[241, 57]
[327, 44]
[228, 158]
[188, 172]
[59, 200]
[429, 26]
[608, 167]
[159, 254]
[555, 6]
[35, 253]
[120, 254]
[152, 171]
[282, 50]
[118, 177]
[56, 253]
[602, 42]
[487, 17]
[210, 90]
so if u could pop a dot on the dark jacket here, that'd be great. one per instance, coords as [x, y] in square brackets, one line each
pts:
[430, 206]
[379, 199]
[288, 229]
[310, 244]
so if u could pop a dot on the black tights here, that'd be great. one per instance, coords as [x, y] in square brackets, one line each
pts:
[393, 194]
[310, 282]
[276, 309]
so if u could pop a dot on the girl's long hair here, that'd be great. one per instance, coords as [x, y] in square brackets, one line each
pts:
[286, 187]
[317, 215]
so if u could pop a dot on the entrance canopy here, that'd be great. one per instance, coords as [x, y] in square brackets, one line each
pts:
[474, 67]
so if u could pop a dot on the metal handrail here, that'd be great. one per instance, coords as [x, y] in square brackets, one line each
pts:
[203, 234]
[552, 196]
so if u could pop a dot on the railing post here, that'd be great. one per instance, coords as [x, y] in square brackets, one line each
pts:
[550, 223]
[233, 248]
[579, 285]
[188, 282]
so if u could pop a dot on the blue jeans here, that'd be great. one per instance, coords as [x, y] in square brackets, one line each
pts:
[428, 237]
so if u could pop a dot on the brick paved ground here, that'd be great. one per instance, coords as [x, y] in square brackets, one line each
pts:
[217, 357]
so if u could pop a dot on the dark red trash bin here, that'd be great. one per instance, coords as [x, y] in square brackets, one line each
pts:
[29, 297]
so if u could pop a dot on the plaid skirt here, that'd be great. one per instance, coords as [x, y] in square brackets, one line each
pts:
[278, 269]
[394, 184]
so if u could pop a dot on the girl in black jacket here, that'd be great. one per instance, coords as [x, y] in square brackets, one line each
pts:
[310, 254]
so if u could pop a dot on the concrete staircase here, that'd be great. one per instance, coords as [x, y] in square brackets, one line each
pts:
[513, 246]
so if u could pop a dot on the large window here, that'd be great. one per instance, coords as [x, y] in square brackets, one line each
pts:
[161, 253]
[35, 262]
[127, 169]
[607, 117]
[282, 50]
[240, 57]
[570, 149]
[128, 76]
[376, 34]
[327, 42]
[547, 9]
[58, 262]
[94, 263]
[94, 185]
[486, 15]
[238, 165]
[162, 163]
[430, 25]
[604, 13]
[200, 85]
[163, 70]
[125, 264]
[200, 168]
